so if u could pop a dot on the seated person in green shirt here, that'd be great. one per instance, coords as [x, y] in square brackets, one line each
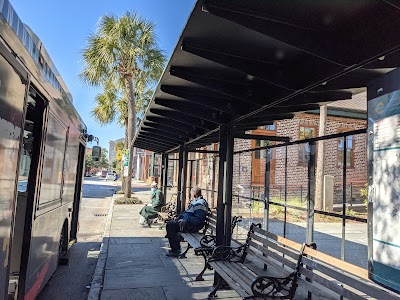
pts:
[150, 211]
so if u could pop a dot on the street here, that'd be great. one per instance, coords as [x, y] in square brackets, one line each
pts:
[72, 281]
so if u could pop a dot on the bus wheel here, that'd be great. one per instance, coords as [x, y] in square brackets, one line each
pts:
[63, 247]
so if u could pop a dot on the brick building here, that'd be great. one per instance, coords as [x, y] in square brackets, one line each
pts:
[249, 167]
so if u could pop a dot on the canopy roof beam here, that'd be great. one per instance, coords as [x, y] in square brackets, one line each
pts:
[226, 105]
[174, 115]
[167, 129]
[258, 121]
[329, 41]
[191, 109]
[262, 137]
[175, 124]
[167, 136]
[156, 142]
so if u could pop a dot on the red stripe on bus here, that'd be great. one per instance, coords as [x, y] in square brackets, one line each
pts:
[33, 292]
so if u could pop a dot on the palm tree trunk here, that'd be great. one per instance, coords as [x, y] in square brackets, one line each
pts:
[130, 133]
[123, 178]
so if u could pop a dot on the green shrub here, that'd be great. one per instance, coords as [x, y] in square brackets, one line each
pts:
[119, 192]
[133, 200]
[364, 194]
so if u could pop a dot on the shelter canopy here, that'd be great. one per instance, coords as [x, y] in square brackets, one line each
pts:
[250, 62]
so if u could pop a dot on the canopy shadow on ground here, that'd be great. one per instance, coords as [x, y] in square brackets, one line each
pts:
[76, 276]
[137, 268]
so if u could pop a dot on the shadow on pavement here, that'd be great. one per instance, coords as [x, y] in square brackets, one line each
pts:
[71, 281]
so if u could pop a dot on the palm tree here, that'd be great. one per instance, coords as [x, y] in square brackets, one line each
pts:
[124, 51]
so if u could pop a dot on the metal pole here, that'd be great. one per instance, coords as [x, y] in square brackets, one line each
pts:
[190, 174]
[228, 186]
[267, 182]
[164, 158]
[197, 172]
[344, 198]
[213, 184]
[180, 171]
[182, 178]
[286, 173]
[311, 195]
[153, 158]
[223, 143]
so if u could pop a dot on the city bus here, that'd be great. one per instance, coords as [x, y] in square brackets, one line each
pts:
[42, 146]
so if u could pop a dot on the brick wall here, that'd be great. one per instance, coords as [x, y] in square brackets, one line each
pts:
[296, 173]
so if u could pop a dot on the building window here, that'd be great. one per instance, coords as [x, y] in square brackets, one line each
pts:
[305, 132]
[270, 127]
[349, 151]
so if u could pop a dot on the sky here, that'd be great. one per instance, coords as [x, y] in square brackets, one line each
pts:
[63, 27]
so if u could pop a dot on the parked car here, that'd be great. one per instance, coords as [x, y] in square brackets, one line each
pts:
[111, 176]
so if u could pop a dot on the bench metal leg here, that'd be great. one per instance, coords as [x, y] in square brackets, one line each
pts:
[213, 293]
[183, 255]
[200, 276]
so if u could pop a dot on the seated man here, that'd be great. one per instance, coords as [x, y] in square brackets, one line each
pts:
[192, 220]
[150, 211]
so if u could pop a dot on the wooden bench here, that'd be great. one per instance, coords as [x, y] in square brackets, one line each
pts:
[168, 211]
[205, 241]
[268, 266]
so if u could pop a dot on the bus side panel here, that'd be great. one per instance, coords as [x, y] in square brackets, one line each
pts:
[70, 169]
[12, 93]
[43, 254]
[71, 162]
[50, 214]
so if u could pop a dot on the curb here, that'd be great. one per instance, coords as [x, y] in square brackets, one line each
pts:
[96, 285]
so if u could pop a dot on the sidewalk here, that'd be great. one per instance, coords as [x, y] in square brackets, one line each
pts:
[136, 266]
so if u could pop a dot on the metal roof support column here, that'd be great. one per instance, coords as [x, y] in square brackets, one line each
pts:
[223, 143]
[190, 176]
[213, 182]
[182, 174]
[228, 185]
[311, 194]
[164, 158]
[267, 178]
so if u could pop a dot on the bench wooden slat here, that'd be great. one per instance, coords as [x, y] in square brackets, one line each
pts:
[286, 251]
[322, 275]
[332, 285]
[279, 239]
[315, 292]
[248, 274]
[362, 285]
[275, 256]
[219, 268]
[238, 276]
[333, 261]
[192, 238]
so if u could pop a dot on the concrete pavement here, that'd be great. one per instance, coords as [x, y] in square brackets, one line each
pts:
[135, 266]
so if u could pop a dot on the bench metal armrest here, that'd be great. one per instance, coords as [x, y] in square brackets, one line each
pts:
[228, 253]
[275, 287]
[208, 240]
[205, 251]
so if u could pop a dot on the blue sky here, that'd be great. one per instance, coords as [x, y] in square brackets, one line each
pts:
[63, 27]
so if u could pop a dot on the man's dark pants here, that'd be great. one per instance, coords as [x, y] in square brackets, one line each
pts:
[173, 236]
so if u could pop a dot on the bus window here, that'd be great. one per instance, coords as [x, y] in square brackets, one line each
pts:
[15, 22]
[52, 174]
[5, 10]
